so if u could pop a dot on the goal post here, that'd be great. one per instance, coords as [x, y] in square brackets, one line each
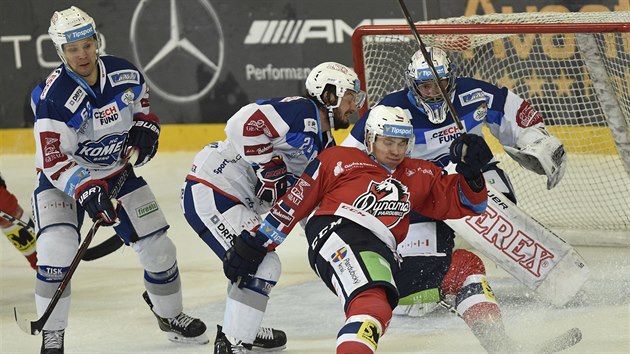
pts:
[573, 67]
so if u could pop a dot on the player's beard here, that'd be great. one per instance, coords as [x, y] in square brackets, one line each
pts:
[340, 121]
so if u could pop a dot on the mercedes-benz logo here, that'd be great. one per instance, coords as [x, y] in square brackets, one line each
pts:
[162, 71]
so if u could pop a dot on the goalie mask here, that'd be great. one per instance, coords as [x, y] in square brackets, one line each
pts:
[336, 77]
[419, 79]
[388, 121]
[71, 25]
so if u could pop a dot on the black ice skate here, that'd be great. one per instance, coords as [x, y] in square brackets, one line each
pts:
[181, 328]
[52, 342]
[267, 339]
[223, 346]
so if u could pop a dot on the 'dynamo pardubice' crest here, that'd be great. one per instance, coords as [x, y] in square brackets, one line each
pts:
[387, 200]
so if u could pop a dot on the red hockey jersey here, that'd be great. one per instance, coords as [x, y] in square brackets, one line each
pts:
[347, 182]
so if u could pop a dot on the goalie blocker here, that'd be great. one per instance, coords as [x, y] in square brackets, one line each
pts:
[524, 248]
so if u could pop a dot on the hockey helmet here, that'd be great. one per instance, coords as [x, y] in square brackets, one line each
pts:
[71, 25]
[388, 121]
[419, 72]
[338, 75]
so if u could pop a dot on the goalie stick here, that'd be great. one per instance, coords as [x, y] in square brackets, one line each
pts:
[101, 250]
[522, 246]
[35, 327]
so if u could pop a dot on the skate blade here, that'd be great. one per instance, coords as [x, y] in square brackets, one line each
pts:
[264, 350]
[178, 338]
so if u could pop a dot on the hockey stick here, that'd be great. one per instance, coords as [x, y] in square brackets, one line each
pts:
[101, 250]
[427, 58]
[561, 342]
[35, 327]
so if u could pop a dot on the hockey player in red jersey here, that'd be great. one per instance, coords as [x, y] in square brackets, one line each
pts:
[363, 203]
[21, 237]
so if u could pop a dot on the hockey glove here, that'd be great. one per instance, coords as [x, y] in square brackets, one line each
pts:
[241, 261]
[94, 199]
[144, 135]
[272, 180]
[471, 153]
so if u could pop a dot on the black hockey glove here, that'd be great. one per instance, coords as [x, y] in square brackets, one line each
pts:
[241, 261]
[471, 153]
[272, 180]
[94, 199]
[144, 135]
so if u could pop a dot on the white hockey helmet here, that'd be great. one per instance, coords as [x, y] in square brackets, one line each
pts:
[419, 72]
[388, 121]
[71, 25]
[338, 75]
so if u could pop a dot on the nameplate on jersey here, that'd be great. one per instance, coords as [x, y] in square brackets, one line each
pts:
[124, 77]
[75, 99]
[442, 136]
[106, 116]
[474, 96]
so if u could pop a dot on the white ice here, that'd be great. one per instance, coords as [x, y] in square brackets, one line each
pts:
[108, 314]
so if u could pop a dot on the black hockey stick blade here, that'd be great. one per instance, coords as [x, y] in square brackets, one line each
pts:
[566, 340]
[103, 249]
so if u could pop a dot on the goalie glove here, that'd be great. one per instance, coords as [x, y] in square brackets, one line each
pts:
[540, 152]
[272, 180]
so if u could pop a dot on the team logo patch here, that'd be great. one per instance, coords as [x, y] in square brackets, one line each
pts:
[127, 97]
[369, 333]
[103, 152]
[124, 77]
[387, 200]
[51, 148]
[147, 209]
[339, 255]
[258, 124]
[527, 116]
[481, 112]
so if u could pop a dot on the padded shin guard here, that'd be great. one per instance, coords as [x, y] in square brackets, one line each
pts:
[367, 318]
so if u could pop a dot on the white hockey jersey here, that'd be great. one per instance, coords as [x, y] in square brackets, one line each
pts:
[80, 131]
[289, 127]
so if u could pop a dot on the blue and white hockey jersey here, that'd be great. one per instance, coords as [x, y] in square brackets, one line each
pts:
[476, 102]
[80, 131]
[289, 127]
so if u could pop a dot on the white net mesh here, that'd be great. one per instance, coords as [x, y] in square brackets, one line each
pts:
[576, 75]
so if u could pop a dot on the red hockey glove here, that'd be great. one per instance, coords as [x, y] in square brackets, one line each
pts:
[144, 135]
[272, 180]
[471, 153]
[241, 261]
[94, 199]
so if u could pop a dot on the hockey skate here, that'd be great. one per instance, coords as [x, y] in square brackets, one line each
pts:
[267, 340]
[52, 342]
[181, 328]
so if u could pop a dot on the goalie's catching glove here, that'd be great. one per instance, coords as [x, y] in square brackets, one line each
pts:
[471, 153]
[272, 180]
[540, 152]
[144, 135]
[94, 199]
[241, 261]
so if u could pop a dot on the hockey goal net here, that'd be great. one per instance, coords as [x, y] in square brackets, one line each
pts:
[573, 67]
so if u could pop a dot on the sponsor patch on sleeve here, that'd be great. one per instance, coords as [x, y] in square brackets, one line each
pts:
[527, 116]
[124, 77]
[51, 148]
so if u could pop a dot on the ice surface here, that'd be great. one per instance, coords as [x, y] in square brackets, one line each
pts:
[108, 314]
